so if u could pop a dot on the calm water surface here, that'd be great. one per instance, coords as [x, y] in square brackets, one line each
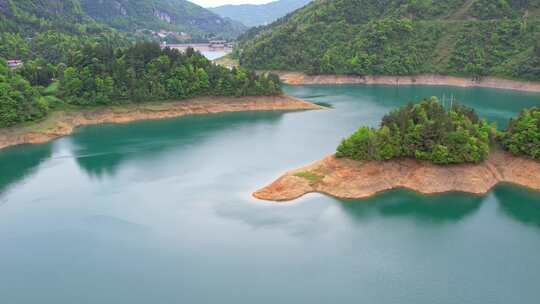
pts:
[160, 212]
[211, 55]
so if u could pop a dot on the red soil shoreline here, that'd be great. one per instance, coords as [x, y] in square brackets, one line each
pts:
[64, 123]
[297, 78]
[349, 179]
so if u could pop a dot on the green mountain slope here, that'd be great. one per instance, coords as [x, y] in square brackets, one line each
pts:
[254, 15]
[178, 16]
[50, 29]
[399, 37]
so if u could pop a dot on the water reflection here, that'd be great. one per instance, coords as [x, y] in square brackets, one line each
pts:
[17, 163]
[101, 156]
[519, 203]
[494, 105]
[450, 207]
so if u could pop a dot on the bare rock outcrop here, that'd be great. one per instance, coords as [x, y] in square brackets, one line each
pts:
[297, 78]
[349, 179]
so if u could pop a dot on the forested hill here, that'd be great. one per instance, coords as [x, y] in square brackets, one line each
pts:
[402, 37]
[255, 15]
[50, 30]
[174, 20]
[178, 16]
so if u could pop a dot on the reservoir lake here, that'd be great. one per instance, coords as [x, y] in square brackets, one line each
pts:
[161, 212]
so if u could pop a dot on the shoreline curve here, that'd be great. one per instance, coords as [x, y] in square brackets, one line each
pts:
[350, 179]
[298, 78]
[63, 123]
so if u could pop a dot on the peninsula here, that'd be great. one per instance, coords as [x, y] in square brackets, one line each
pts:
[426, 148]
[62, 123]
[351, 179]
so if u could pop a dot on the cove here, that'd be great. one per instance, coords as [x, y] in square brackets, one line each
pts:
[161, 212]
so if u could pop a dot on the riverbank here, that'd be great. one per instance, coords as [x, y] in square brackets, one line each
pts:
[349, 179]
[296, 78]
[62, 123]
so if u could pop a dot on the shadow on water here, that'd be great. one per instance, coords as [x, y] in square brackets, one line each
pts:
[100, 150]
[520, 204]
[17, 163]
[449, 207]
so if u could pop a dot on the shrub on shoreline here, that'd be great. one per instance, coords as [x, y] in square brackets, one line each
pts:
[522, 136]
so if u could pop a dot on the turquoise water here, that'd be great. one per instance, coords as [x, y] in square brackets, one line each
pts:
[160, 212]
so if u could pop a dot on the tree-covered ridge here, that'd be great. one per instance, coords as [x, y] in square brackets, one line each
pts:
[139, 18]
[100, 74]
[50, 30]
[397, 37]
[145, 72]
[425, 131]
[171, 15]
[522, 136]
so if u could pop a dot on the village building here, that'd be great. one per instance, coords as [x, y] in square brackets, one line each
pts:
[13, 64]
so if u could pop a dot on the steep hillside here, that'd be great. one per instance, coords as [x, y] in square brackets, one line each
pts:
[254, 15]
[176, 16]
[50, 29]
[35, 15]
[399, 37]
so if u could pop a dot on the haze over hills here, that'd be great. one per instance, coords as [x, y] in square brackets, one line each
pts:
[402, 37]
[254, 15]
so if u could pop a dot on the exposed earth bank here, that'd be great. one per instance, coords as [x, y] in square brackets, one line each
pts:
[64, 123]
[296, 78]
[349, 179]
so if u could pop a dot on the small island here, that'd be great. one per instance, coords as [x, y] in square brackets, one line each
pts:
[426, 148]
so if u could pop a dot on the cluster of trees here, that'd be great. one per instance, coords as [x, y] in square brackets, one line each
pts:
[426, 131]
[145, 72]
[100, 74]
[396, 37]
[72, 58]
[131, 17]
[522, 137]
[19, 101]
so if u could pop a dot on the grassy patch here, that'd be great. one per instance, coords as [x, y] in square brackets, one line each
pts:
[227, 61]
[312, 177]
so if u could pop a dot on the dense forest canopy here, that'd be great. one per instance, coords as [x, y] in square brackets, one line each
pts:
[402, 37]
[427, 131]
[79, 52]
[145, 72]
[522, 136]
[175, 20]
[19, 101]
[101, 74]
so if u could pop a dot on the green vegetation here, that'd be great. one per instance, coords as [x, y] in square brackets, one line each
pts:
[178, 20]
[146, 72]
[402, 37]
[424, 131]
[79, 52]
[312, 177]
[100, 74]
[522, 137]
[174, 16]
[19, 101]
